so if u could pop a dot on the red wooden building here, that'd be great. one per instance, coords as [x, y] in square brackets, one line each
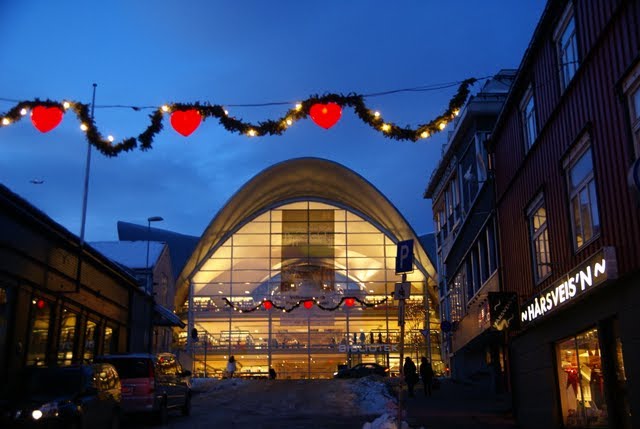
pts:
[569, 220]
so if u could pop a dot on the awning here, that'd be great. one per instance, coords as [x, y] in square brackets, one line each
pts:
[165, 317]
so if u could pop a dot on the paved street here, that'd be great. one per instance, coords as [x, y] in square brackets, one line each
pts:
[331, 404]
[459, 406]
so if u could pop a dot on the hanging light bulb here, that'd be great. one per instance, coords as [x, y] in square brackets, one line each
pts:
[442, 125]
[110, 138]
[6, 121]
[424, 134]
[386, 127]
[165, 108]
[84, 127]
[23, 111]
[66, 104]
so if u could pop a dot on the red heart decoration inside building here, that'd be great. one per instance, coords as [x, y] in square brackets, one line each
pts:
[325, 115]
[268, 305]
[185, 121]
[349, 301]
[46, 118]
[308, 304]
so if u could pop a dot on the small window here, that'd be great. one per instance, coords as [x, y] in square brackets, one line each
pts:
[583, 200]
[539, 234]
[567, 46]
[632, 92]
[528, 109]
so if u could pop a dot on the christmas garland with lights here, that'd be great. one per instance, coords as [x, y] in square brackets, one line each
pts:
[324, 110]
[268, 304]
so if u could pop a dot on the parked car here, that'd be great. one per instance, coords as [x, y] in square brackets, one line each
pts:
[362, 370]
[152, 383]
[82, 396]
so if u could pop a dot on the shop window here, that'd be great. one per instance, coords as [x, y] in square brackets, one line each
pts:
[585, 218]
[109, 341]
[567, 47]
[528, 112]
[581, 382]
[67, 340]
[38, 332]
[539, 236]
[89, 340]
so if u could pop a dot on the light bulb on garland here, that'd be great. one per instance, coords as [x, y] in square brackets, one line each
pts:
[46, 118]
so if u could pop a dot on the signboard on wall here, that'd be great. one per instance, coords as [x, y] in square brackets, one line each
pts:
[503, 310]
[581, 280]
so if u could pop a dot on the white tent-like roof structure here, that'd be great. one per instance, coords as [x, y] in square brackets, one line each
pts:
[302, 179]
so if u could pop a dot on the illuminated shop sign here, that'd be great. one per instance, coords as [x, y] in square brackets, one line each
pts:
[593, 272]
[368, 348]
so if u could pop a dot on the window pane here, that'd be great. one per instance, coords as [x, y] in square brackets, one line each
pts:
[67, 337]
[585, 214]
[39, 334]
[580, 170]
[591, 379]
[635, 101]
[89, 339]
[595, 216]
[577, 222]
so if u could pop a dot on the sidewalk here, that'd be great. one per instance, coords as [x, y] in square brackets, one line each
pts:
[457, 406]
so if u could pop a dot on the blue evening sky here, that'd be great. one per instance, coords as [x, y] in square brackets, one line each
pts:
[147, 53]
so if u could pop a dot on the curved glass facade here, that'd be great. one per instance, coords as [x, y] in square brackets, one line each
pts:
[292, 253]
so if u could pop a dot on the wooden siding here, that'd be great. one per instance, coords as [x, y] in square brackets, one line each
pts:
[609, 45]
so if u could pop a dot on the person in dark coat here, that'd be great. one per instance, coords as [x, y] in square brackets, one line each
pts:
[426, 373]
[410, 374]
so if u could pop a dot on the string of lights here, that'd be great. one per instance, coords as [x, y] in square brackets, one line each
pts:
[185, 118]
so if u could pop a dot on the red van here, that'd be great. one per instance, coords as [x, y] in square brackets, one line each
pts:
[152, 383]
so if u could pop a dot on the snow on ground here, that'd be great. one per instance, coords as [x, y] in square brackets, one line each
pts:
[373, 396]
[367, 396]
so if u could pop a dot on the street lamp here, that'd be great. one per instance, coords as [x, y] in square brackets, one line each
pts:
[149, 220]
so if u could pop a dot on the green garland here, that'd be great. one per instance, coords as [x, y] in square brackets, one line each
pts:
[231, 124]
[299, 303]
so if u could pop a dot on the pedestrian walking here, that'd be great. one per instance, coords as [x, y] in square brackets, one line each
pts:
[410, 374]
[426, 373]
[362, 337]
[232, 366]
[272, 374]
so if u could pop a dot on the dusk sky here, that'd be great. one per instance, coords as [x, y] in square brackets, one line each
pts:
[240, 52]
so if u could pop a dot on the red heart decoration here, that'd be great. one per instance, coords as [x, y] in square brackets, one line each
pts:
[185, 121]
[268, 305]
[308, 304]
[46, 118]
[325, 115]
[349, 301]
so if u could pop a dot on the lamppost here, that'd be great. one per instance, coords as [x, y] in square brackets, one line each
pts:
[149, 276]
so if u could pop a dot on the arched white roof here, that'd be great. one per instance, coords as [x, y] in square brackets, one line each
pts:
[297, 180]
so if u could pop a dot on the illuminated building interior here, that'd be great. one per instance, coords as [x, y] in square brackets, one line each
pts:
[304, 285]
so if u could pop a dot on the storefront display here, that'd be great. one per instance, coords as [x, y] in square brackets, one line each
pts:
[581, 382]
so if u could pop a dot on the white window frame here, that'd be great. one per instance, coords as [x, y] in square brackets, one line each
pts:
[529, 120]
[588, 184]
[631, 88]
[567, 69]
[541, 261]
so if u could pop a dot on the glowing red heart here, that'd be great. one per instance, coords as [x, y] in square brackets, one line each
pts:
[268, 305]
[185, 121]
[46, 118]
[325, 115]
[308, 304]
[349, 301]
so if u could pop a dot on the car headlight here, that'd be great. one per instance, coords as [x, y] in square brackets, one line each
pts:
[46, 410]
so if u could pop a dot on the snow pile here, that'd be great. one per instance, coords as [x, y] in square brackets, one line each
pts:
[385, 421]
[213, 384]
[373, 396]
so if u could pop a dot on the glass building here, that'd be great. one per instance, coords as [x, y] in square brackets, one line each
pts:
[297, 273]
